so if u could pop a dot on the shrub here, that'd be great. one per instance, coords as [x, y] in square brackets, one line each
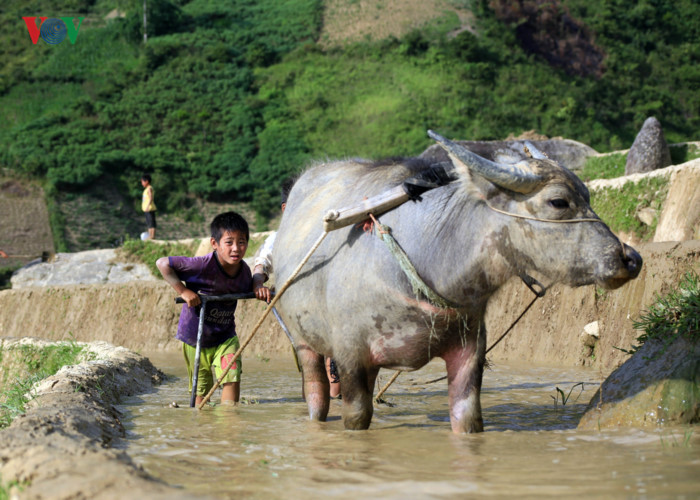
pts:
[672, 316]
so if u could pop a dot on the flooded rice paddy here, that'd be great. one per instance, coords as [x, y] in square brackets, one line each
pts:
[267, 447]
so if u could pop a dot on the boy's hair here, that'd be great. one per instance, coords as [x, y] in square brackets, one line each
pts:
[146, 177]
[228, 221]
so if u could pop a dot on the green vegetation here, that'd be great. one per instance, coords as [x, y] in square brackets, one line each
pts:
[148, 252]
[229, 97]
[6, 274]
[674, 315]
[565, 396]
[612, 165]
[681, 153]
[603, 167]
[5, 488]
[34, 364]
[619, 207]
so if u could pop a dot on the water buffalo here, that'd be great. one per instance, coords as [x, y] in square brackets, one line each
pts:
[353, 302]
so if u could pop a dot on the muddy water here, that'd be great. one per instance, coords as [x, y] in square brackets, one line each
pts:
[267, 448]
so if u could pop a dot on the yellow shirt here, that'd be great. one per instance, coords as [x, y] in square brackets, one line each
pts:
[147, 203]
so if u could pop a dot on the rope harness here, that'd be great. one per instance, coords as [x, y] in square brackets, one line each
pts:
[419, 286]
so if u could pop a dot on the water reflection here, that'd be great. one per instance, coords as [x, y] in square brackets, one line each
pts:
[269, 448]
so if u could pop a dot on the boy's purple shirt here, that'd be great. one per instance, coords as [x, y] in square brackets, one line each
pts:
[204, 275]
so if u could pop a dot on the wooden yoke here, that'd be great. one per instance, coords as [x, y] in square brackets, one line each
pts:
[335, 219]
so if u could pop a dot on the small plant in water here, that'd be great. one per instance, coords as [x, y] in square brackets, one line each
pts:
[673, 441]
[565, 397]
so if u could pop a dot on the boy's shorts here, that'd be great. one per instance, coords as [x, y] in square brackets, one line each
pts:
[151, 220]
[217, 358]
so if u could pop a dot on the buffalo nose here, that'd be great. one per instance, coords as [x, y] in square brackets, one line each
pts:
[632, 260]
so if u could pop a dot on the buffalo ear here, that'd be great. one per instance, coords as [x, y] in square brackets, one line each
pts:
[516, 177]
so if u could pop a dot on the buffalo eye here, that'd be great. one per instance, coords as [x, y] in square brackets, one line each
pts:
[559, 203]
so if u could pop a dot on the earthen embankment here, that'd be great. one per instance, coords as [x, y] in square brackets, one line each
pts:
[143, 315]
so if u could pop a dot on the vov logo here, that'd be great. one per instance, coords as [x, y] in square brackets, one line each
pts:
[53, 30]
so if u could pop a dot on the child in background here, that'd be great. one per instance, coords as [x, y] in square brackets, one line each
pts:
[148, 205]
[221, 272]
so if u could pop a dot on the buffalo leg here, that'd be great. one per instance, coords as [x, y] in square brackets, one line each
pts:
[316, 385]
[465, 368]
[357, 388]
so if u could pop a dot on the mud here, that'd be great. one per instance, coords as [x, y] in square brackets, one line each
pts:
[64, 446]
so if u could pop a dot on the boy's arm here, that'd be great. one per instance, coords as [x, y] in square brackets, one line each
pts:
[261, 291]
[170, 276]
[259, 275]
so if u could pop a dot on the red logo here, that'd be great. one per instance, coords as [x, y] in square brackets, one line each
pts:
[226, 359]
[52, 30]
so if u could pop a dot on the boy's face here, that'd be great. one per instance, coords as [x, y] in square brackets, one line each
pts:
[144, 182]
[231, 248]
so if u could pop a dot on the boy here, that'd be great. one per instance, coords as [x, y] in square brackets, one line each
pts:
[148, 205]
[219, 273]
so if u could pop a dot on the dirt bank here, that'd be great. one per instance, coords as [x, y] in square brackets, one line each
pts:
[138, 315]
[143, 316]
[550, 333]
[71, 427]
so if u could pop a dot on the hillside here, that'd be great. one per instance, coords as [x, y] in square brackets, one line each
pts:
[227, 98]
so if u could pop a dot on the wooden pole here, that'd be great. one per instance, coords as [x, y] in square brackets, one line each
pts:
[383, 390]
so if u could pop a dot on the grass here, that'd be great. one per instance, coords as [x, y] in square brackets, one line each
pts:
[35, 364]
[565, 396]
[6, 488]
[672, 316]
[613, 165]
[148, 252]
[618, 207]
[604, 167]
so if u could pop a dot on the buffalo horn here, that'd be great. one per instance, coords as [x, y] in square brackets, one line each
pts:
[515, 177]
[536, 153]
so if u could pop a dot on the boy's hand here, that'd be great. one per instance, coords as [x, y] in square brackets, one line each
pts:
[262, 293]
[190, 297]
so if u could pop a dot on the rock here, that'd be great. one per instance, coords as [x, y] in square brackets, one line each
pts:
[657, 385]
[649, 150]
[680, 216]
[646, 215]
[86, 268]
[590, 334]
